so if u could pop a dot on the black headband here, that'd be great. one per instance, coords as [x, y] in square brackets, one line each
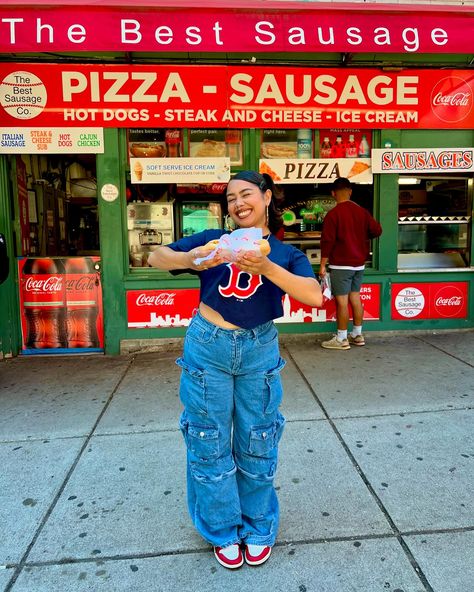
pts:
[252, 177]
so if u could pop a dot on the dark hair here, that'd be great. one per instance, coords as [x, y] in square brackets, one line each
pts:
[263, 182]
[341, 183]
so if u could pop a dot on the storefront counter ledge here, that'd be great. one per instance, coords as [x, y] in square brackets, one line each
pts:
[175, 344]
[141, 346]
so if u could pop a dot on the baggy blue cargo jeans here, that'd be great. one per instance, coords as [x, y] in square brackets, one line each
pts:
[231, 390]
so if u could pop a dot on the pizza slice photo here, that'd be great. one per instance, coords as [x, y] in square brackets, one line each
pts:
[265, 168]
[357, 168]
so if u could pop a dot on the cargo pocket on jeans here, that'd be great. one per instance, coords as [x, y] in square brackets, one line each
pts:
[263, 439]
[192, 388]
[201, 440]
[273, 393]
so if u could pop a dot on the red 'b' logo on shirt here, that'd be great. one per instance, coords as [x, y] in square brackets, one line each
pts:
[241, 284]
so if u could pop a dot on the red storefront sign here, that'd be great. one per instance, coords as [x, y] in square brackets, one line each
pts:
[61, 303]
[175, 308]
[233, 26]
[430, 301]
[295, 312]
[232, 96]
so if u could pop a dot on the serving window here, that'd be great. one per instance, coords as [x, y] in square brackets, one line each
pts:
[304, 208]
[434, 222]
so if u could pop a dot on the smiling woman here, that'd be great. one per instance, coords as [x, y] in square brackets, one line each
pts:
[233, 336]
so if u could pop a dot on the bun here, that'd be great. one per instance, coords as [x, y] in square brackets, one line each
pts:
[142, 150]
[211, 245]
[264, 246]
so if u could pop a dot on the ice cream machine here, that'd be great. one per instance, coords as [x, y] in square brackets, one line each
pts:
[149, 225]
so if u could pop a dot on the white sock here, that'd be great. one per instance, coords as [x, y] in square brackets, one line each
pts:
[341, 335]
[356, 330]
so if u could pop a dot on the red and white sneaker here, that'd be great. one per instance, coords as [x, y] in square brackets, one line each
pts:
[230, 557]
[257, 554]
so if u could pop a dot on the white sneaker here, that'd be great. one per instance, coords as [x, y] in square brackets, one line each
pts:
[257, 554]
[230, 557]
[357, 340]
[336, 343]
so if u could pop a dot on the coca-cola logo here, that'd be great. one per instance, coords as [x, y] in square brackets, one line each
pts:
[53, 283]
[84, 283]
[162, 299]
[452, 99]
[173, 136]
[449, 301]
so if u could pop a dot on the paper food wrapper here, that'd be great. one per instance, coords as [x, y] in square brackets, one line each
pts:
[231, 244]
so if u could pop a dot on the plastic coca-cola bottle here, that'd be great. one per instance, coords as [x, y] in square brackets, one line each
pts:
[44, 301]
[173, 143]
[82, 293]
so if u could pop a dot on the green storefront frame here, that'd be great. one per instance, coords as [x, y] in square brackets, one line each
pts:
[118, 279]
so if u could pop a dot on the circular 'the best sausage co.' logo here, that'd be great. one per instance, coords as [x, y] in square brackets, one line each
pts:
[23, 95]
[452, 99]
[409, 302]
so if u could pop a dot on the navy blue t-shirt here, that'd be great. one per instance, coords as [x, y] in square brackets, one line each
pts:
[241, 298]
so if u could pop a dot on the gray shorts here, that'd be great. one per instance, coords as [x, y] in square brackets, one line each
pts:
[344, 281]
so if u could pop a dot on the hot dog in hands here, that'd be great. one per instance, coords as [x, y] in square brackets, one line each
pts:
[229, 245]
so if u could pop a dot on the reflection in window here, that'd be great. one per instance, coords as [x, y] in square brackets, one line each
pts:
[434, 222]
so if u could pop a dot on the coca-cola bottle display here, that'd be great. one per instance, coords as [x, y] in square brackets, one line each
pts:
[338, 149]
[325, 150]
[44, 298]
[351, 147]
[82, 294]
[173, 143]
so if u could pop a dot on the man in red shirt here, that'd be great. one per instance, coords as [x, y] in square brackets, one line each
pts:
[345, 243]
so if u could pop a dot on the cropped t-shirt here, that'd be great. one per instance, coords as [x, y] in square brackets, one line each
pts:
[241, 298]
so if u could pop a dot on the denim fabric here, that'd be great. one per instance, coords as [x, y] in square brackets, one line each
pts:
[231, 391]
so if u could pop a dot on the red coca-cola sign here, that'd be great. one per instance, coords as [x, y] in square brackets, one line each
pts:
[61, 303]
[158, 308]
[452, 99]
[44, 286]
[161, 308]
[161, 299]
[449, 301]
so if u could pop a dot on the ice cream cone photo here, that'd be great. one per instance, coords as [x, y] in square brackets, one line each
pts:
[138, 170]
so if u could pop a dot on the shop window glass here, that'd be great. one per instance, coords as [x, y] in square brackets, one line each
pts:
[434, 222]
[304, 208]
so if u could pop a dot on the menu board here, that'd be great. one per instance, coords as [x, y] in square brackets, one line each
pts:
[51, 140]
[209, 143]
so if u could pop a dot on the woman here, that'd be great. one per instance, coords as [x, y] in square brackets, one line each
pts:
[230, 382]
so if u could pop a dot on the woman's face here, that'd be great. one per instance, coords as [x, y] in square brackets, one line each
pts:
[247, 204]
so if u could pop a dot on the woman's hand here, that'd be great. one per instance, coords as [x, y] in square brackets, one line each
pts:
[253, 263]
[204, 251]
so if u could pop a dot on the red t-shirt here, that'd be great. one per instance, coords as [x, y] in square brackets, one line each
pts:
[347, 230]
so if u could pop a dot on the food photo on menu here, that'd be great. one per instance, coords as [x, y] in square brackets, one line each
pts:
[279, 143]
[154, 143]
[217, 143]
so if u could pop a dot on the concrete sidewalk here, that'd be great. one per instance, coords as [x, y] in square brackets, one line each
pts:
[375, 478]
